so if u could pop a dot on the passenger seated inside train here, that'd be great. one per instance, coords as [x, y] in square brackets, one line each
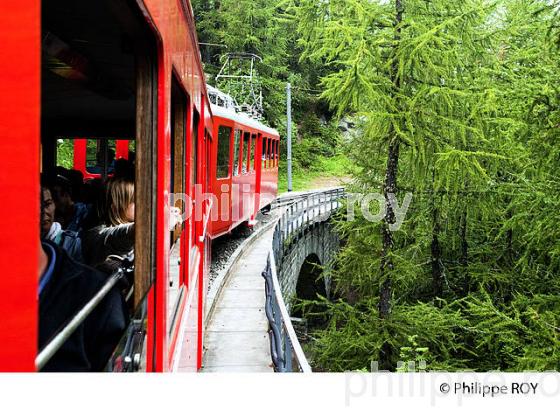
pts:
[69, 213]
[52, 230]
[114, 235]
[65, 286]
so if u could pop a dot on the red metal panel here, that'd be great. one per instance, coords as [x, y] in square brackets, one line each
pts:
[80, 152]
[19, 183]
[162, 212]
[122, 149]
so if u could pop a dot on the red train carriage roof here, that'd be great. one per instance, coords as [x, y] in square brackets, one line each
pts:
[242, 118]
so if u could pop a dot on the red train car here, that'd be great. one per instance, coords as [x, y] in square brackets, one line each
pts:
[244, 167]
[107, 70]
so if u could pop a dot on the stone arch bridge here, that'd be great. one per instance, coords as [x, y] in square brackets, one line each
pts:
[303, 240]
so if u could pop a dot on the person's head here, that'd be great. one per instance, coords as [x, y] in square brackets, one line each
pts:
[124, 169]
[76, 179]
[119, 201]
[47, 210]
[61, 190]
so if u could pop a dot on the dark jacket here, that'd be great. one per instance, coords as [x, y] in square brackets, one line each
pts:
[71, 286]
[72, 244]
[100, 242]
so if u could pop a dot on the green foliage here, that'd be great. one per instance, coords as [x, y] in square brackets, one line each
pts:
[65, 153]
[413, 357]
[268, 29]
[468, 90]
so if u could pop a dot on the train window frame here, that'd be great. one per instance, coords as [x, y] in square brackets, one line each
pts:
[223, 136]
[146, 167]
[237, 140]
[131, 57]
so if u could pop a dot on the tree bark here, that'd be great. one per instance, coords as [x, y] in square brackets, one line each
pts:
[387, 266]
[437, 265]
[464, 261]
[390, 189]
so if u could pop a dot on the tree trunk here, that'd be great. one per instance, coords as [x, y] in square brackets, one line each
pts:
[437, 265]
[464, 261]
[390, 188]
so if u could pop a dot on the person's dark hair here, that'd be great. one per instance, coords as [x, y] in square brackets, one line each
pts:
[63, 182]
[94, 193]
[124, 169]
[76, 179]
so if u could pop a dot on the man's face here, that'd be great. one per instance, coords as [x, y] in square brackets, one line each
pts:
[47, 212]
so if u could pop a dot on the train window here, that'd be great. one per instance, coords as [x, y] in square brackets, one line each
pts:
[268, 146]
[222, 162]
[263, 151]
[179, 103]
[100, 156]
[253, 154]
[236, 142]
[246, 152]
[194, 147]
[193, 171]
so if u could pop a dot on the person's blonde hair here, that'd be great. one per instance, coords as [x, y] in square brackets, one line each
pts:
[118, 197]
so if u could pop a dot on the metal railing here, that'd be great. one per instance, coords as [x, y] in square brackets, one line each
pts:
[286, 352]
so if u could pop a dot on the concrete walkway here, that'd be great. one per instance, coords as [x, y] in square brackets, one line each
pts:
[236, 338]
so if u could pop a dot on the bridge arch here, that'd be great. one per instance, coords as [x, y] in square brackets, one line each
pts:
[310, 281]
